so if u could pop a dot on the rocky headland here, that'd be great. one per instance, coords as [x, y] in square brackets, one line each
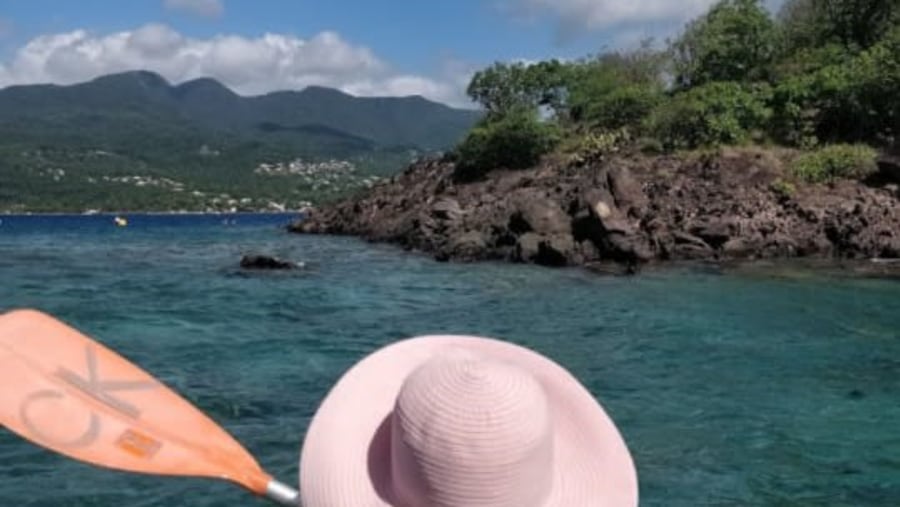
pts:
[628, 211]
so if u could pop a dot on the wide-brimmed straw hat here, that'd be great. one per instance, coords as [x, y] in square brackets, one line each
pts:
[459, 421]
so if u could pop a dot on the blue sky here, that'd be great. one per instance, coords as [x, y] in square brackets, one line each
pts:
[396, 47]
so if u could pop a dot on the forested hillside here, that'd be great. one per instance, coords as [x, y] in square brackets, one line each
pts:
[134, 141]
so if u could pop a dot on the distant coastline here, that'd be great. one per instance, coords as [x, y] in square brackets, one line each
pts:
[147, 213]
[150, 144]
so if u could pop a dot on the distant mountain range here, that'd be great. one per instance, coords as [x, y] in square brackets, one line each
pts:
[200, 132]
[207, 104]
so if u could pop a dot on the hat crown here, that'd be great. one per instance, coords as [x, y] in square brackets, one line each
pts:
[471, 432]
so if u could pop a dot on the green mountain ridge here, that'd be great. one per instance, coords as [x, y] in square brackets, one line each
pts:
[204, 135]
[408, 121]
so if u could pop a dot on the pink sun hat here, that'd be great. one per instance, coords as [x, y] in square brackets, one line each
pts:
[461, 421]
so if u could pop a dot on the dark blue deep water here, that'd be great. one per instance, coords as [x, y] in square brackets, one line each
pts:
[752, 388]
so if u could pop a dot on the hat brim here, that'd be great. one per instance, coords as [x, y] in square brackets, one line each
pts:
[345, 459]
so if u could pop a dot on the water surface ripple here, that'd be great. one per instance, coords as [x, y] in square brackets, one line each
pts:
[730, 390]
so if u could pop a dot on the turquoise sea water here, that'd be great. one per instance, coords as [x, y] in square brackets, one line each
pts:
[730, 390]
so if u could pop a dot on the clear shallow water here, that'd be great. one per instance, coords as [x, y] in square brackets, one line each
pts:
[730, 390]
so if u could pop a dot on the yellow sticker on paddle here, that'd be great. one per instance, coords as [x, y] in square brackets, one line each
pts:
[138, 444]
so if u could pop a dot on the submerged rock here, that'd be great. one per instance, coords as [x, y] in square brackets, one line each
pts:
[267, 262]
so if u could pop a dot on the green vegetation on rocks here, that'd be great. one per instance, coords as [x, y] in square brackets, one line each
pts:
[718, 113]
[515, 140]
[815, 74]
[833, 162]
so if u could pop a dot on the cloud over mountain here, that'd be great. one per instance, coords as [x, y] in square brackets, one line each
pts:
[247, 65]
[591, 14]
[626, 21]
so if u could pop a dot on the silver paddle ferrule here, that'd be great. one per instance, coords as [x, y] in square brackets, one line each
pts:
[282, 494]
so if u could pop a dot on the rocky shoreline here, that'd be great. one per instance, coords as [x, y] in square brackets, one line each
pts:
[626, 211]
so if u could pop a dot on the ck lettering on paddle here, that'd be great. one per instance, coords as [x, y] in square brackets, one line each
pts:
[100, 390]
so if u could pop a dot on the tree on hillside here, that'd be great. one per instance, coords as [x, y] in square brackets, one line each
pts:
[829, 89]
[798, 26]
[855, 24]
[734, 41]
[502, 87]
[616, 89]
[511, 134]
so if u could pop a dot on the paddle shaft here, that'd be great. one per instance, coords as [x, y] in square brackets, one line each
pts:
[282, 494]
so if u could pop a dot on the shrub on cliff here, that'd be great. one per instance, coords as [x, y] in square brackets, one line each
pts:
[818, 106]
[516, 140]
[595, 145]
[710, 115]
[834, 162]
[616, 90]
[624, 106]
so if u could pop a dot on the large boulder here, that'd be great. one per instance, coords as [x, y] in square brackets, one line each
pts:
[534, 211]
[714, 231]
[627, 190]
[616, 236]
[446, 208]
[688, 246]
[467, 246]
[554, 250]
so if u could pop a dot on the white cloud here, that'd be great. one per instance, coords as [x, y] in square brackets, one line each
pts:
[598, 14]
[247, 65]
[636, 18]
[204, 8]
